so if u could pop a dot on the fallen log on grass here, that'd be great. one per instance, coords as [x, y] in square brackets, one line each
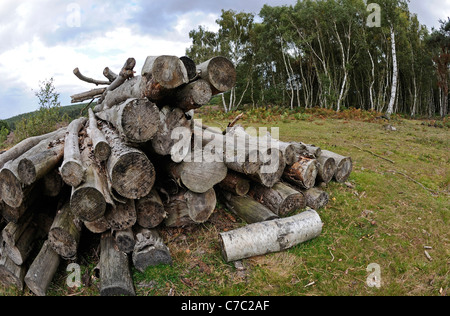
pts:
[344, 165]
[270, 236]
[150, 250]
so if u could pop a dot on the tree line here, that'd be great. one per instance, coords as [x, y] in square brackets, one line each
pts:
[332, 54]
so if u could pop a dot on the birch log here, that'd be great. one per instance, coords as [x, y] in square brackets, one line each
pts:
[271, 236]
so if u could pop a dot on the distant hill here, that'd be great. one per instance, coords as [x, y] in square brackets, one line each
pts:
[72, 111]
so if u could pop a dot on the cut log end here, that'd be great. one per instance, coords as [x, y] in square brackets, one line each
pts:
[344, 170]
[88, 204]
[73, 173]
[63, 243]
[11, 187]
[220, 73]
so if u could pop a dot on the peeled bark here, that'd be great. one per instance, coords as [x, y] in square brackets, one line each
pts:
[220, 73]
[72, 170]
[188, 208]
[281, 199]
[42, 271]
[271, 236]
[150, 210]
[303, 173]
[150, 250]
[236, 184]
[137, 120]
[115, 276]
[65, 233]
[247, 208]
[131, 173]
[344, 165]
[102, 151]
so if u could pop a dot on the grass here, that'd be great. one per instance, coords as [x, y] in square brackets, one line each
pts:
[380, 216]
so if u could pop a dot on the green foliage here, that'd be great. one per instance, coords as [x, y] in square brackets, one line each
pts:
[45, 120]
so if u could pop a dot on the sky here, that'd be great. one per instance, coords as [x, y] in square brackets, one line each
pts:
[43, 39]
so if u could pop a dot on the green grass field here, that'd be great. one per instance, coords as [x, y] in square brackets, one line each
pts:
[386, 214]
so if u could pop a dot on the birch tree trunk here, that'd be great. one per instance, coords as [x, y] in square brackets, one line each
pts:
[390, 109]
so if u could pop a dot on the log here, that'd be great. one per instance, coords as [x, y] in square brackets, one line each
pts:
[189, 208]
[190, 66]
[122, 216]
[11, 274]
[42, 270]
[303, 173]
[150, 250]
[52, 183]
[125, 240]
[236, 184]
[25, 145]
[133, 88]
[12, 232]
[326, 169]
[65, 233]
[88, 95]
[174, 135]
[137, 120]
[88, 201]
[197, 174]
[110, 75]
[247, 208]
[271, 236]
[34, 167]
[13, 214]
[102, 151]
[80, 76]
[99, 226]
[21, 250]
[72, 170]
[115, 276]
[344, 165]
[13, 192]
[131, 173]
[316, 198]
[150, 210]
[281, 199]
[167, 72]
[126, 73]
[220, 73]
[190, 97]
[312, 150]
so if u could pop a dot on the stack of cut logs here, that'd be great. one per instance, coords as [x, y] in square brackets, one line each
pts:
[138, 163]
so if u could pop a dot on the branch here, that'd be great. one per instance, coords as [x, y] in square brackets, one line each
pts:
[108, 73]
[89, 95]
[80, 76]
[370, 152]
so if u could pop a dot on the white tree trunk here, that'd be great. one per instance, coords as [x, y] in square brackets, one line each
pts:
[394, 75]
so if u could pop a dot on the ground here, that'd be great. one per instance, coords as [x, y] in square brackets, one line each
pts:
[394, 207]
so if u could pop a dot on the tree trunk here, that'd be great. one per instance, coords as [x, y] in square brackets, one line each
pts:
[197, 175]
[220, 73]
[326, 169]
[65, 233]
[150, 210]
[11, 274]
[122, 217]
[72, 170]
[102, 150]
[281, 199]
[135, 119]
[316, 198]
[25, 145]
[150, 250]
[390, 110]
[303, 173]
[344, 165]
[247, 208]
[131, 173]
[88, 201]
[115, 276]
[188, 208]
[268, 237]
[174, 125]
[125, 240]
[235, 184]
[34, 167]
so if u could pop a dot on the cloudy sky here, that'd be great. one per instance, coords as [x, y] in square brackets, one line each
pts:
[41, 39]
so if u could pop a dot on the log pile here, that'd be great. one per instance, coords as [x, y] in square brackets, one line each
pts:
[140, 162]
